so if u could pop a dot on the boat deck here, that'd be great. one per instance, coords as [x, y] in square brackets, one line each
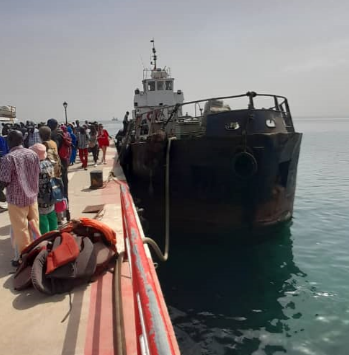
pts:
[33, 323]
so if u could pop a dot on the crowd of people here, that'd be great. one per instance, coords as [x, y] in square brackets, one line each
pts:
[34, 162]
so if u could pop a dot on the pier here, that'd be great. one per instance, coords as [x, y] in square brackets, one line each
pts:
[123, 312]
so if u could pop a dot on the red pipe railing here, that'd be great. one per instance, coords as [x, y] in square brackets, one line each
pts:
[155, 335]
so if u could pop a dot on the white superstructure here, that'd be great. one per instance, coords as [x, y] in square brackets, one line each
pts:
[156, 94]
[8, 114]
[158, 90]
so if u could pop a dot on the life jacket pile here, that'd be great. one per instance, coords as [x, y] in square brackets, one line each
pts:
[60, 260]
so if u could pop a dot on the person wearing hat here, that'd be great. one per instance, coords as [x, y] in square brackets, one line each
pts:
[19, 173]
[47, 214]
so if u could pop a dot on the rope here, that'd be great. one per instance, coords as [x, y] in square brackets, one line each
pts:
[70, 308]
[119, 314]
[164, 256]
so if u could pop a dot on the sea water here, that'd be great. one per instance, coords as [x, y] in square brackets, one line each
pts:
[112, 127]
[288, 293]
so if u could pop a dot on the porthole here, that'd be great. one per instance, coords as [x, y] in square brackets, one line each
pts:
[232, 126]
[270, 123]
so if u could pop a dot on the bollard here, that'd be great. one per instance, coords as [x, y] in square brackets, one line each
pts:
[96, 179]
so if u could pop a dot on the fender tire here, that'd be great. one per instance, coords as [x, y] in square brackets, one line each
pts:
[244, 165]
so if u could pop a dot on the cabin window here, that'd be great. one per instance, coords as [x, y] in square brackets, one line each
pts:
[169, 85]
[151, 86]
[160, 85]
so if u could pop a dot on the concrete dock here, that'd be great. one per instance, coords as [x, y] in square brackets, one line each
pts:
[32, 323]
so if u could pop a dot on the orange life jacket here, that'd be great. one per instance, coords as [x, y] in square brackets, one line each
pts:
[108, 235]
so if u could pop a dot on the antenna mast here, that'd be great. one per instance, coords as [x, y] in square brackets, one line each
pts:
[154, 55]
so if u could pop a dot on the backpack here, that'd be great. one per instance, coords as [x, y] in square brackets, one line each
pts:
[46, 197]
[54, 158]
[66, 146]
[57, 190]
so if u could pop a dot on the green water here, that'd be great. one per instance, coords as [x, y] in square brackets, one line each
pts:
[286, 294]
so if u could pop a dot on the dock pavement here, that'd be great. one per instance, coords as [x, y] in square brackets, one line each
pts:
[34, 323]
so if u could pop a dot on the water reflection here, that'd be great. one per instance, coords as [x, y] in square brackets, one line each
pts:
[232, 298]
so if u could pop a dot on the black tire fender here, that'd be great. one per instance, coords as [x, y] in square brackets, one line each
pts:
[244, 165]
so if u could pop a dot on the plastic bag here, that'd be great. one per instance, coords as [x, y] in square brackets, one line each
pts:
[57, 190]
[61, 206]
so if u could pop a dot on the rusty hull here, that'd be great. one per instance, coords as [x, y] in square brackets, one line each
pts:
[204, 188]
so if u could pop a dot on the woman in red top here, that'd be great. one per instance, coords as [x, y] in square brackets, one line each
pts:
[103, 141]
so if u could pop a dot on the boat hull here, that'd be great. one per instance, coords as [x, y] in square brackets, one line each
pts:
[211, 188]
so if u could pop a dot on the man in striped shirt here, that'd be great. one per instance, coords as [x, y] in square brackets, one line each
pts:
[33, 137]
[82, 139]
[19, 173]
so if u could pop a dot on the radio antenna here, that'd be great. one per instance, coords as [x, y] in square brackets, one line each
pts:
[154, 58]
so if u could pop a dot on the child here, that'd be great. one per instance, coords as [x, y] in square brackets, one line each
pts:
[47, 213]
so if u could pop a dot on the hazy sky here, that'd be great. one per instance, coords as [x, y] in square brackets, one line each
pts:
[89, 53]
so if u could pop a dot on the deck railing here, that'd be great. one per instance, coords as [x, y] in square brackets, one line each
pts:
[155, 335]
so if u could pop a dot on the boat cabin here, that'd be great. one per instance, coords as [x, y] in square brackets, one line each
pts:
[158, 90]
[152, 102]
[7, 113]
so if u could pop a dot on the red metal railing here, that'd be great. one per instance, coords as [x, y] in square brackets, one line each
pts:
[155, 335]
